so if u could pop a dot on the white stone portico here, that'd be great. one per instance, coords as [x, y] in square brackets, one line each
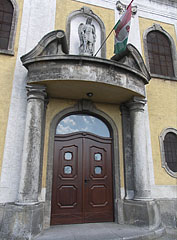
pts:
[54, 71]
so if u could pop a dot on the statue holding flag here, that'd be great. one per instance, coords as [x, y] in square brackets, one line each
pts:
[87, 35]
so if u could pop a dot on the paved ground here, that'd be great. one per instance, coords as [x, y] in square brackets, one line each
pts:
[171, 234]
[104, 231]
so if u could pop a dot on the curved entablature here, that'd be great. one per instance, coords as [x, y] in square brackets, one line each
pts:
[73, 76]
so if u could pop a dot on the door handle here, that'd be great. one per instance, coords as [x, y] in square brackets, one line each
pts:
[86, 180]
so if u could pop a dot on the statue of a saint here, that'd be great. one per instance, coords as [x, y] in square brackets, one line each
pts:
[87, 37]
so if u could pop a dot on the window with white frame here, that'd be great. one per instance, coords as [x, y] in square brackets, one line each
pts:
[168, 145]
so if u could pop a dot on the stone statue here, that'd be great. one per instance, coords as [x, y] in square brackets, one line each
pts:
[87, 35]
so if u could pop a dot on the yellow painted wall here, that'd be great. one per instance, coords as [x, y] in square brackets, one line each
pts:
[57, 105]
[64, 8]
[7, 67]
[162, 107]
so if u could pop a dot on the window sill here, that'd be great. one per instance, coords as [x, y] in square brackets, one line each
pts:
[7, 52]
[163, 77]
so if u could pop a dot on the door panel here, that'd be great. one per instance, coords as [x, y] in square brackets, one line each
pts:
[98, 171]
[82, 181]
[67, 182]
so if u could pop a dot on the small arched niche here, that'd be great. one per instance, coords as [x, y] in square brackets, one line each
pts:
[80, 17]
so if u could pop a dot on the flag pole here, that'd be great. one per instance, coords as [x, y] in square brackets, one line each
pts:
[130, 4]
[105, 41]
[110, 33]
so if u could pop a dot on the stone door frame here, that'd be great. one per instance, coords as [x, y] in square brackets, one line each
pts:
[87, 107]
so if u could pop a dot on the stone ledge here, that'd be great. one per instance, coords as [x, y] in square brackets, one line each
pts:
[142, 213]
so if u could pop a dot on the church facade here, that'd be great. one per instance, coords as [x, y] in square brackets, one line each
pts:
[86, 135]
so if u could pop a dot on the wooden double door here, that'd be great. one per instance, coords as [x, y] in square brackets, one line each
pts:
[82, 179]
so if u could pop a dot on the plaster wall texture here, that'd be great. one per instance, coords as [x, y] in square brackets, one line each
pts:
[106, 15]
[162, 97]
[7, 68]
[57, 105]
[33, 19]
[162, 108]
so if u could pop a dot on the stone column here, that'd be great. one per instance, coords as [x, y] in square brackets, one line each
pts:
[140, 166]
[29, 182]
[127, 151]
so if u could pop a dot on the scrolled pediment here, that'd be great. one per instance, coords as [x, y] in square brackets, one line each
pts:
[52, 44]
[133, 59]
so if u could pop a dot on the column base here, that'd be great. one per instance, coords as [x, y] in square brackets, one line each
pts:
[22, 222]
[142, 213]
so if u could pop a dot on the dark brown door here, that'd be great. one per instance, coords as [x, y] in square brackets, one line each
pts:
[82, 180]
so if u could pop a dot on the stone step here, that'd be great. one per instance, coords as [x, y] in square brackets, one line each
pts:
[101, 231]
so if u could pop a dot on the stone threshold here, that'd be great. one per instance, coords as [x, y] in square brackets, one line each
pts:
[100, 231]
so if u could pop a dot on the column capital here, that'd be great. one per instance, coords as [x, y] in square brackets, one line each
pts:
[36, 92]
[136, 104]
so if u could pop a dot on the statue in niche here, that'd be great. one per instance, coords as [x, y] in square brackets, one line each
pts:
[87, 35]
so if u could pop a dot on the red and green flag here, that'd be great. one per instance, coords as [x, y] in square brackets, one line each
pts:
[122, 29]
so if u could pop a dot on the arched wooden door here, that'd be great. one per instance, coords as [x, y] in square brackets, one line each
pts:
[82, 179]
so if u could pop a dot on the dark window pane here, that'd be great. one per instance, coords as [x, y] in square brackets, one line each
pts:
[167, 51]
[170, 71]
[170, 147]
[1, 15]
[6, 27]
[3, 43]
[7, 6]
[152, 67]
[168, 59]
[157, 69]
[161, 49]
[156, 59]
[7, 18]
[162, 58]
[163, 64]
[4, 34]
[155, 48]
[164, 71]
[150, 46]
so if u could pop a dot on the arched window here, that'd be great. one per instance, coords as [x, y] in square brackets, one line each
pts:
[168, 142]
[160, 52]
[82, 123]
[8, 20]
